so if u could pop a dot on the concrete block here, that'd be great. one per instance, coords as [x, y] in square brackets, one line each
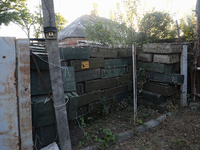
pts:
[166, 59]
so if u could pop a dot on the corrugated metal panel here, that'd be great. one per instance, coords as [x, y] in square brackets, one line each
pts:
[24, 93]
[9, 136]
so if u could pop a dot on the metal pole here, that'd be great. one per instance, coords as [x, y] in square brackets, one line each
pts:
[134, 82]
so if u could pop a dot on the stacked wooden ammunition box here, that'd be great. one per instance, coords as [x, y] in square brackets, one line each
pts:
[161, 61]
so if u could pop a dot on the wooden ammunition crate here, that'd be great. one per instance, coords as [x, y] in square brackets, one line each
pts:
[103, 53]
[145, 57]
[124, 52]
[87, 75]
[41, 60]
[74, 53]
[87, 98]
[68, 79]
[167, 59]
[94, 63]
[80, 88]
[155, 67]
[109, 73]
[115, 63]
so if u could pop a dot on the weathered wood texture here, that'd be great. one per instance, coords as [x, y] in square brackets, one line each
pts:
[74, 53]
[73, 104]
[87, 75]
[115, 63]
[124, 52]
[41, 63]
[170, 78]
[145, 57]
[68, 79]
[94, 63]
[155, 67]
[106, 83]
[153, 97]
[36, 84]
[103, 53]
[160, 88]
[80, 88]
[161, 48]
[166, 59]
[114, 72]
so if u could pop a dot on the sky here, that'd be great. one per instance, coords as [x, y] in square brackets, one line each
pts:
[72, 9]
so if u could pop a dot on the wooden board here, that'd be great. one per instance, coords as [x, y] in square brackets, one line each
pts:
[103, 53]
[145, 57]
[94, 63]
[124, 52]
[87, 98]
[74, 53]
[160, 88]
[80, 88]
[153, 97]
[170, 78]
[114, 72]
[68, 79]
[162, 48]
[166, 59]
[115, 63]
[155, 67]
[106, 83]
[87, 75]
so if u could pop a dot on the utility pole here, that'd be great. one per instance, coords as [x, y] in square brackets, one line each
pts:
[55, 74]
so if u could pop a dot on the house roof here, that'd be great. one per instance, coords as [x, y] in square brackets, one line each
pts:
[75, 29]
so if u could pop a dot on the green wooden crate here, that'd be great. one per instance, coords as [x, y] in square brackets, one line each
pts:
[94, 63]
[153, 97]
[87, 75]
[115, 63]
[130, 61]
[41, 62]
[87, 98]
[72, 104]
[145, 57]
[170, 78]
[103, 53]
[68, 79]
[80, 88]
[129, 69]
[37, 86]
[74, 53]
[124, 52]
[160, 88]
[155, 67]
[114, 72]
[106, 83]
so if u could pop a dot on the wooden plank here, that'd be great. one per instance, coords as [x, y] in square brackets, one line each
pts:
[73, 104]
[124, 52]
[115, 63]
[160, 88]
[68, 79]
[114, 72]
[153, 97]
[106, 83]
[166, 59]
[170, 78]
[155, 67]
[103, 53]
[80, 88]
[24, 95]
[162, 48]
[74, 53]
[94, 63]
[184, 72]
[87, 98]
[87, 75]
[56, 76]
[145, 57]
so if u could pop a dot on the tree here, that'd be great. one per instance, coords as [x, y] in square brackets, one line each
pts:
[155, 26]
[25, 20]
[187, 26]
[39, 24]
[9, 10]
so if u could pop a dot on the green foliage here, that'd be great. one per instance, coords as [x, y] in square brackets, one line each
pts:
[187, 26]
[10, 9]
[39, 23]
[155, 26]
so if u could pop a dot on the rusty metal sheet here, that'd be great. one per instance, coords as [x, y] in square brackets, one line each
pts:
[24, 93]
[9, 135]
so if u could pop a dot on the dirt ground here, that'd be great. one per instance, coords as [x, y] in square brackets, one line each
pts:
[180, 131]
